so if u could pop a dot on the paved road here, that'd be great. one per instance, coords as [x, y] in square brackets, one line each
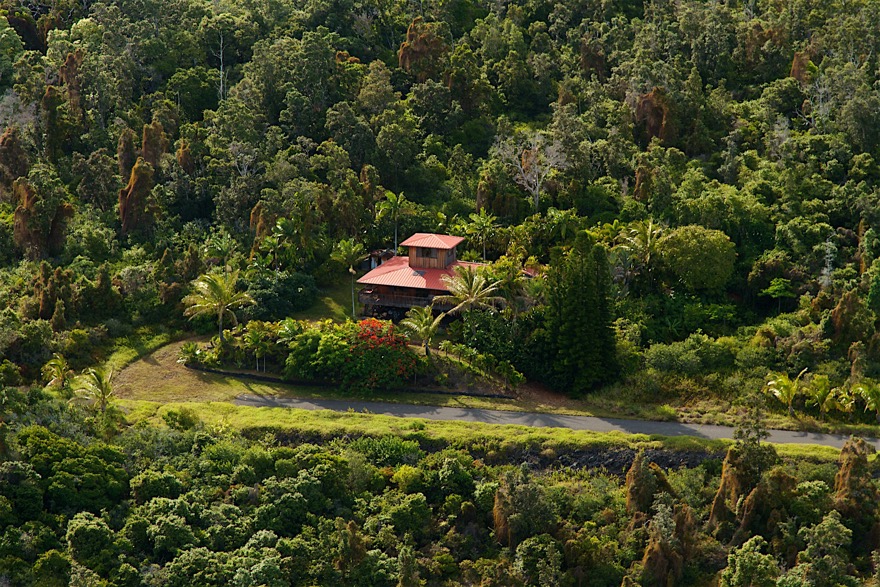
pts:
[542, 420]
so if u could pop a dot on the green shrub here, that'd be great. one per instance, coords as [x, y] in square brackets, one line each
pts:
[697, 354]
[408, 479]
[279, 295]
[388, 450]
[365, 355]
[79, 344]
[409, 515]
[150, 484]
[10, 374]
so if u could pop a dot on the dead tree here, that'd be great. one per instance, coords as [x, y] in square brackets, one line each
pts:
[531, 158]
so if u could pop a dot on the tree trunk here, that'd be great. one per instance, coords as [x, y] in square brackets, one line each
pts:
[352, 298]
[221, 326]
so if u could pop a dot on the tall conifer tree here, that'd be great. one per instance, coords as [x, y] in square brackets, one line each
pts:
[579, 316]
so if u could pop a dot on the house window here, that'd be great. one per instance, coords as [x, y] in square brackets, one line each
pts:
[427, 253]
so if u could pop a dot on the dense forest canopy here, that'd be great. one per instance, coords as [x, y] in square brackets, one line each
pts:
[723, 157]
[693, 188]
[723, 153]
[190, 504]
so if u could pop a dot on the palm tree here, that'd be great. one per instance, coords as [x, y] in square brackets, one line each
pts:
[534, 290]
[395, 206]
[256, 339]
[214, 294]
[469, 289]
[822, 395]
[421, 323]
[221, 246]
[482, 226]
[869, 391]
[286, 232]
[446, 346]
[641, 240]
[272, 247]
[846, 401]
[785, 389]
[349, 252]
[57, 372]
[563, 222]
[95, 389]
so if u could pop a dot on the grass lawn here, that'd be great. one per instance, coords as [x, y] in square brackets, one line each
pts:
[126, 350]
[334, 302]
[139, 343]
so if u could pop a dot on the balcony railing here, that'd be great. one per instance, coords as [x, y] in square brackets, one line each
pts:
[373, 298]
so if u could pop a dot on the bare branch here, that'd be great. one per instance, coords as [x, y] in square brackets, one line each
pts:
[532, 158]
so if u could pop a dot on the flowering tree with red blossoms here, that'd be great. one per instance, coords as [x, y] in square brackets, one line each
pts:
[369, 354]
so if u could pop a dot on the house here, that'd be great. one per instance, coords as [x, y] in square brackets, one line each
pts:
[415, 279]
[378, 257]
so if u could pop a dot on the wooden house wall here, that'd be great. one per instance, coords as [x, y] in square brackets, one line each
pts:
[441, 262]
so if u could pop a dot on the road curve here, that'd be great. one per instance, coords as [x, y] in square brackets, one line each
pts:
[543, 420]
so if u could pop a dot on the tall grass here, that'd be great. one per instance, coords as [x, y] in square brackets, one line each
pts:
[494, 441]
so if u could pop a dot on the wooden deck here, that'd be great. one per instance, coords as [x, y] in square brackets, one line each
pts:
[370, 297]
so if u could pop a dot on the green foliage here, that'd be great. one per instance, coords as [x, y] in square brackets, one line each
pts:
[388, 450]
[279, 295]
[822, 562]
[469, 289]
[698, 354]
[539, 560]
[96, 389]
[421, 324]
[578, 310]
[748, 566]
[150, 484]
[215, 294]
[522, 509]
[723, 157]
[362, 355]
[700, 259]
[217, 508]
[20, 485]
[90, 542]
[735, 174]
[409, 514]
[784, 388]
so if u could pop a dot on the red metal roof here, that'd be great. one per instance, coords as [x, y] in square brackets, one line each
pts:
[432, 241]
[396, 272]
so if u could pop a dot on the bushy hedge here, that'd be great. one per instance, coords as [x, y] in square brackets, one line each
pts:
[357, 355]
[364, 355]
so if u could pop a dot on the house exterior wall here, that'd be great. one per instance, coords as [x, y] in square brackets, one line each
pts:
[430, 258]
